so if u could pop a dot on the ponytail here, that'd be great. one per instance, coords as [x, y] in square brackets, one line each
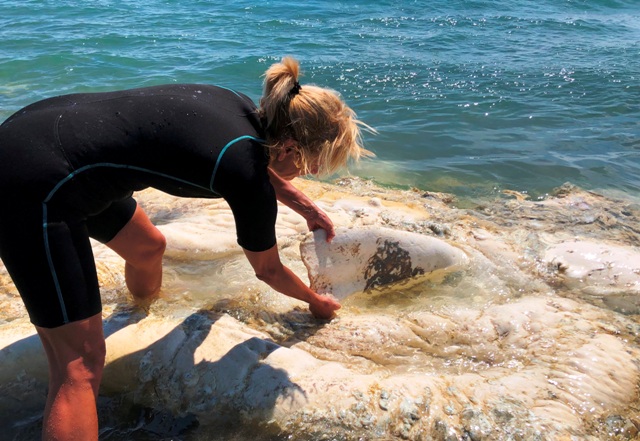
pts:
[324, 128]
[280, 80]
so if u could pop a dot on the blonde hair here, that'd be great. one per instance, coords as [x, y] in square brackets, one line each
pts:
[324, 128]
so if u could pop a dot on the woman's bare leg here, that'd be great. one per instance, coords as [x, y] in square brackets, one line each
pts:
[76, 354]
[142, 246]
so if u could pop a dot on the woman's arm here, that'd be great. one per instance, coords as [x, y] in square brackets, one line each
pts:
[269, 269]
[301, 204]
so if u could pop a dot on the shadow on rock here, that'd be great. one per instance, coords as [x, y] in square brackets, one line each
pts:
[209, 369]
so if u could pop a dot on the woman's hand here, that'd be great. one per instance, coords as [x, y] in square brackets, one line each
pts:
[318, 219]
[270, 270]
[301, 204]
[324, 307]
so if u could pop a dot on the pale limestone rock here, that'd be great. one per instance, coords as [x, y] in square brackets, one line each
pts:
[520, 362]
[544, 362]
[192, 239]
[600, 267]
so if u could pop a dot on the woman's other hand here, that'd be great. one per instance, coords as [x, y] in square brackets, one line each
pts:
[318, 219]
[324, 307]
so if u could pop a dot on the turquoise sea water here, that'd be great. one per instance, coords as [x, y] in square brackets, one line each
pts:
[468, 96]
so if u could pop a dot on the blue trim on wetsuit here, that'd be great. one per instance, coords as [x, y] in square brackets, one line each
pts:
[230, 90]
[54, 275]
[224, 149]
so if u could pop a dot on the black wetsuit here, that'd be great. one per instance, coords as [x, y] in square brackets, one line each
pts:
[69, 165]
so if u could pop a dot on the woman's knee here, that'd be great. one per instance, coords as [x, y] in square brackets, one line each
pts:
[150, 250]
[147, 251]
[94, 356]
[76, 351]
[87, 366]
[159, 242]
[139, 242]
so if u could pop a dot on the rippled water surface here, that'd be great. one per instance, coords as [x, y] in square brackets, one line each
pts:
[468, 97]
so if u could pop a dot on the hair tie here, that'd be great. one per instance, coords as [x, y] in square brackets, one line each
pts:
[295, 89]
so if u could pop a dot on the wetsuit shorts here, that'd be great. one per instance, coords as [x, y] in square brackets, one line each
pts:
[26, 258]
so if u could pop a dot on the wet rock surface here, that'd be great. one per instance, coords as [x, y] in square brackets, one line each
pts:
[534, 337]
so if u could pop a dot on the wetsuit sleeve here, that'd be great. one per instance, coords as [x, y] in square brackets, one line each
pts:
[243, 182]
[255, 217]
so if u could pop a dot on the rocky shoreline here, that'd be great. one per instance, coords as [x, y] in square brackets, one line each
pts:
[536, 338]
